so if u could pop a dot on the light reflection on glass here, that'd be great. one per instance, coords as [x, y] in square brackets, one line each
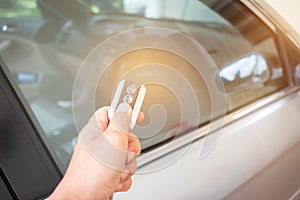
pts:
[253, 64]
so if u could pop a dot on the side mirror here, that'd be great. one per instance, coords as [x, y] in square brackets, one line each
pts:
[248, 71]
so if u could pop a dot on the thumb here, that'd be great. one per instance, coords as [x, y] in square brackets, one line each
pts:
[111, 146]
[118, 128]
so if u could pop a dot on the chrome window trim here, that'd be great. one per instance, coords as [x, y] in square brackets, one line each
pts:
[281, 97]
[296, 195]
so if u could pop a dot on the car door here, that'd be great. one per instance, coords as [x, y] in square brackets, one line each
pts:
[214, 128]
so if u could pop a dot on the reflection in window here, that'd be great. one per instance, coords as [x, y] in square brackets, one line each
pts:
[18, 8]
[253, 64]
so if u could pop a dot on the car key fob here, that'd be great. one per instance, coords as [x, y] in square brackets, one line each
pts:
[131, 93]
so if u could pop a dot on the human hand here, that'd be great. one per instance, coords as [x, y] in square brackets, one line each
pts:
[103, 160]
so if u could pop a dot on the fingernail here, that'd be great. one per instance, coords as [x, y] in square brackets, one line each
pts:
[130, 156]
[123, 107]
[120, 186]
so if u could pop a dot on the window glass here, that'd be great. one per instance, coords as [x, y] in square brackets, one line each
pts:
[18, 8]
[44, 54]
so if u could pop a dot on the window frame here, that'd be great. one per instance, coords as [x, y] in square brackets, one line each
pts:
[29, 162]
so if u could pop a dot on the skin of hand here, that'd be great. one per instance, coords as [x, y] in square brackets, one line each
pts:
[88, 178]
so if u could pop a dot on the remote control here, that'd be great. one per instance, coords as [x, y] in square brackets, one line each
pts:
[131, 93]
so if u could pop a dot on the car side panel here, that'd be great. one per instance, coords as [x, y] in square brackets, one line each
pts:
[264, 142]
[279, 180]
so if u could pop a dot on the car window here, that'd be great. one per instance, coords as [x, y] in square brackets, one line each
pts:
[45, 54]
[18, 9]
